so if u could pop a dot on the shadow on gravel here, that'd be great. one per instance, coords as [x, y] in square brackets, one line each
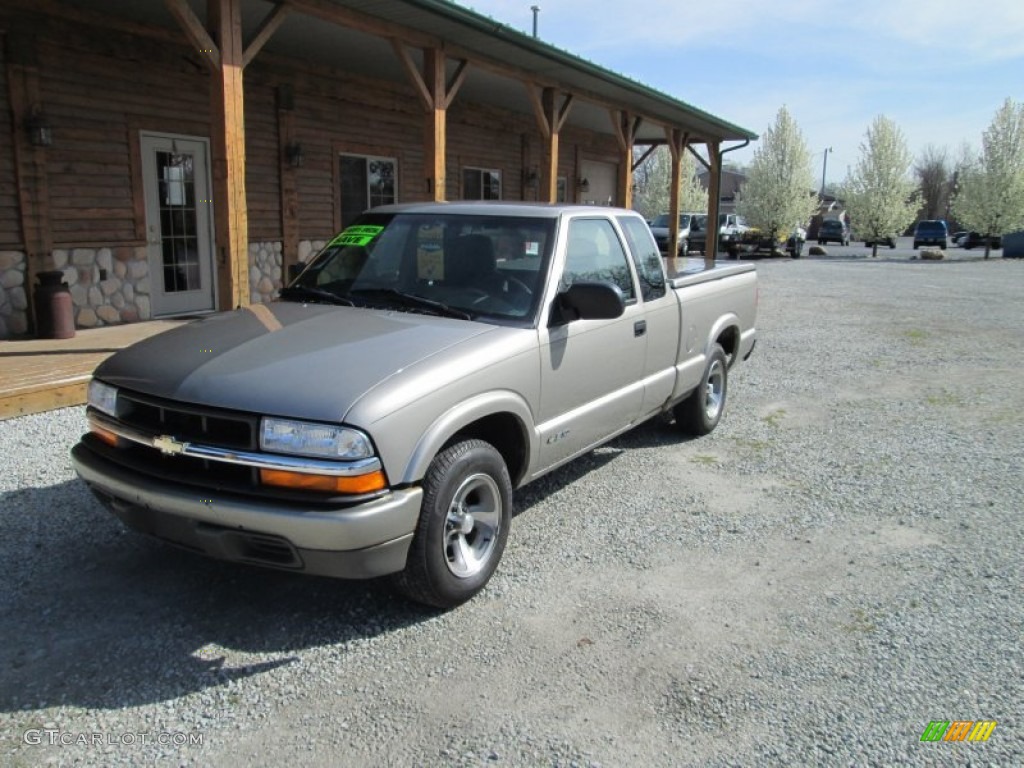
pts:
[97, 616]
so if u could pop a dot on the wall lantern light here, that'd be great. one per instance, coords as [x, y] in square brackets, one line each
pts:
[40, 134]
[583, 185]
[294, 155]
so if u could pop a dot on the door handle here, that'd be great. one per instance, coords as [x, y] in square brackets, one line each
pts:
[639, 327]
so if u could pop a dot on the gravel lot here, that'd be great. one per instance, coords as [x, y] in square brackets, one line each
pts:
[837, 565]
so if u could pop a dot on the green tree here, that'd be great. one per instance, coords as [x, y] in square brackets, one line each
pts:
[779, 192]
[881, 199]
[935, 178]
[653, 180]
[990, 186]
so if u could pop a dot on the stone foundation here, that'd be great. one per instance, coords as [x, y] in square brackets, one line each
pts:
[310, 248]
[13, 298]
[264, 271]
[108, 286]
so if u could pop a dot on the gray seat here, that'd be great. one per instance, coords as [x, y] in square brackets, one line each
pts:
[470, 262]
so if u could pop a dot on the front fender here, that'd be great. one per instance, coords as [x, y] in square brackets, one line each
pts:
[461, 416]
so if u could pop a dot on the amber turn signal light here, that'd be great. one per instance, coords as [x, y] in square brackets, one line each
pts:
[368, 483]
[105, 435]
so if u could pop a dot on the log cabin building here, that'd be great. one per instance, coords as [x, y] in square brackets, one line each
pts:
[172, 157]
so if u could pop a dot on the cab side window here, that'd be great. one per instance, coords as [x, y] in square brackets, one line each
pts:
[646, 257]
[594, 252]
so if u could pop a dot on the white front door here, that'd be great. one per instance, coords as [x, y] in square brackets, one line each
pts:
[179, 232]
[601, 180]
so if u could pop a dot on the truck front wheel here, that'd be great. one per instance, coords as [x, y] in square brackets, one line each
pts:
[463, 526]
[701, 411]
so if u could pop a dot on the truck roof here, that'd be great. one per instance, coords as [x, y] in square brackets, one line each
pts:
[501, 208]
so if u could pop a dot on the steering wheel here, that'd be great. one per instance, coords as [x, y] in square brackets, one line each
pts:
[511, 286]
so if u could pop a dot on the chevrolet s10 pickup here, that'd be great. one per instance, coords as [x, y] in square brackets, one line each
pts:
[430, 359]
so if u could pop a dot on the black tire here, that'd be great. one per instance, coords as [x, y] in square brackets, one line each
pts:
[465, 475]
[701, 411]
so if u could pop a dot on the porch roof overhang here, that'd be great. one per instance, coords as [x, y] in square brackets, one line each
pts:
[358, 37]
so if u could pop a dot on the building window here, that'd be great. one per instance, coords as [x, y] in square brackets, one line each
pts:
[481, 184]
[561, 186]
[366, 182]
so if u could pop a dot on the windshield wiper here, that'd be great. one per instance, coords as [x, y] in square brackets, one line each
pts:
[412, 300]
[308, 293]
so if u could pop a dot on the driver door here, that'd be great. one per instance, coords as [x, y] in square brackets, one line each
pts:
[591, 370]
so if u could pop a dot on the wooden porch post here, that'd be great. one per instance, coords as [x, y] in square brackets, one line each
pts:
[626, 127]
[29, 162]
[228, 112]
[714, 195]
[436, 92]
[677, 141]
[550, 119]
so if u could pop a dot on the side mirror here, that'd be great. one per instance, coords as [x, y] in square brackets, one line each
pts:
[294, 270]
[589, 300]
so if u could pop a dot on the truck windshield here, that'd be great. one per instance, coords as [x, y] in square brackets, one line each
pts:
[471, 266]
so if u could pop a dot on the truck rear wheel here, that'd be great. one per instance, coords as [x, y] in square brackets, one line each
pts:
[701, 411]
[463, 526]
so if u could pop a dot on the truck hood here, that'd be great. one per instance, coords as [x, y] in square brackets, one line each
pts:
[301, 360]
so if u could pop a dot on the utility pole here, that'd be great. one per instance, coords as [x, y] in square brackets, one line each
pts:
[824, 165]
[536, 10]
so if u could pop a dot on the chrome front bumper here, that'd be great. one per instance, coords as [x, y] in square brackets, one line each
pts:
[362, 541]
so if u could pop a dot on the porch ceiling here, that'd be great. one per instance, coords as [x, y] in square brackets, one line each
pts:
[501, 58]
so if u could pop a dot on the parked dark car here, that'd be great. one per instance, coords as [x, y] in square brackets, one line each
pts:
[956, 236]
[833, 230]
[931, 232]
[977, 240]
[890, 241]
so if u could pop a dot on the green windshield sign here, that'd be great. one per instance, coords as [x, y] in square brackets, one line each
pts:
[357, 235]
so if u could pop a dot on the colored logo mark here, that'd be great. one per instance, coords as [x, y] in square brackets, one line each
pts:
[958, 730]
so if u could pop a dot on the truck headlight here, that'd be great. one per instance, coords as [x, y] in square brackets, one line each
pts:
[103, 397]
[304, 438]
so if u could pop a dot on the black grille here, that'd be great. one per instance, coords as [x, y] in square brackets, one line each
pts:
[194, 424]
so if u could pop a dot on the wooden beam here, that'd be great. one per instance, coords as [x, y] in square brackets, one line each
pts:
[714, 193]
[701, 160]
[625, 127]
[30, 173]
[640, 160]
[414, 75]
[543, 123]
[436, 133]
[266, 30]
[677, 140]
[196, 32]
[457, 79]
[228, 117]
[289, 181]
[549, 168]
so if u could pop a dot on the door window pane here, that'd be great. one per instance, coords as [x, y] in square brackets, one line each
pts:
[594, 252]
[180, 245]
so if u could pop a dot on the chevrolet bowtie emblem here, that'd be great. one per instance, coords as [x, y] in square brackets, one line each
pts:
[168, 446]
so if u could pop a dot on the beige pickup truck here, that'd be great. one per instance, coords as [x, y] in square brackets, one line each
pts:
[432, 358]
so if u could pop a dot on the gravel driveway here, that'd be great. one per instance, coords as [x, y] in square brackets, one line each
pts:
[839, 564]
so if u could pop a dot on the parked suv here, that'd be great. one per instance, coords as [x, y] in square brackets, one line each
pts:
[659, 228]
[931, 232]
[833, 230]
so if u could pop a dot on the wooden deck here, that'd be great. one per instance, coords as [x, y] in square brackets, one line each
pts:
[42, 374]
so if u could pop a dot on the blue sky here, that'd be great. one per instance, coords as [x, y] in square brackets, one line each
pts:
[938, 68]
